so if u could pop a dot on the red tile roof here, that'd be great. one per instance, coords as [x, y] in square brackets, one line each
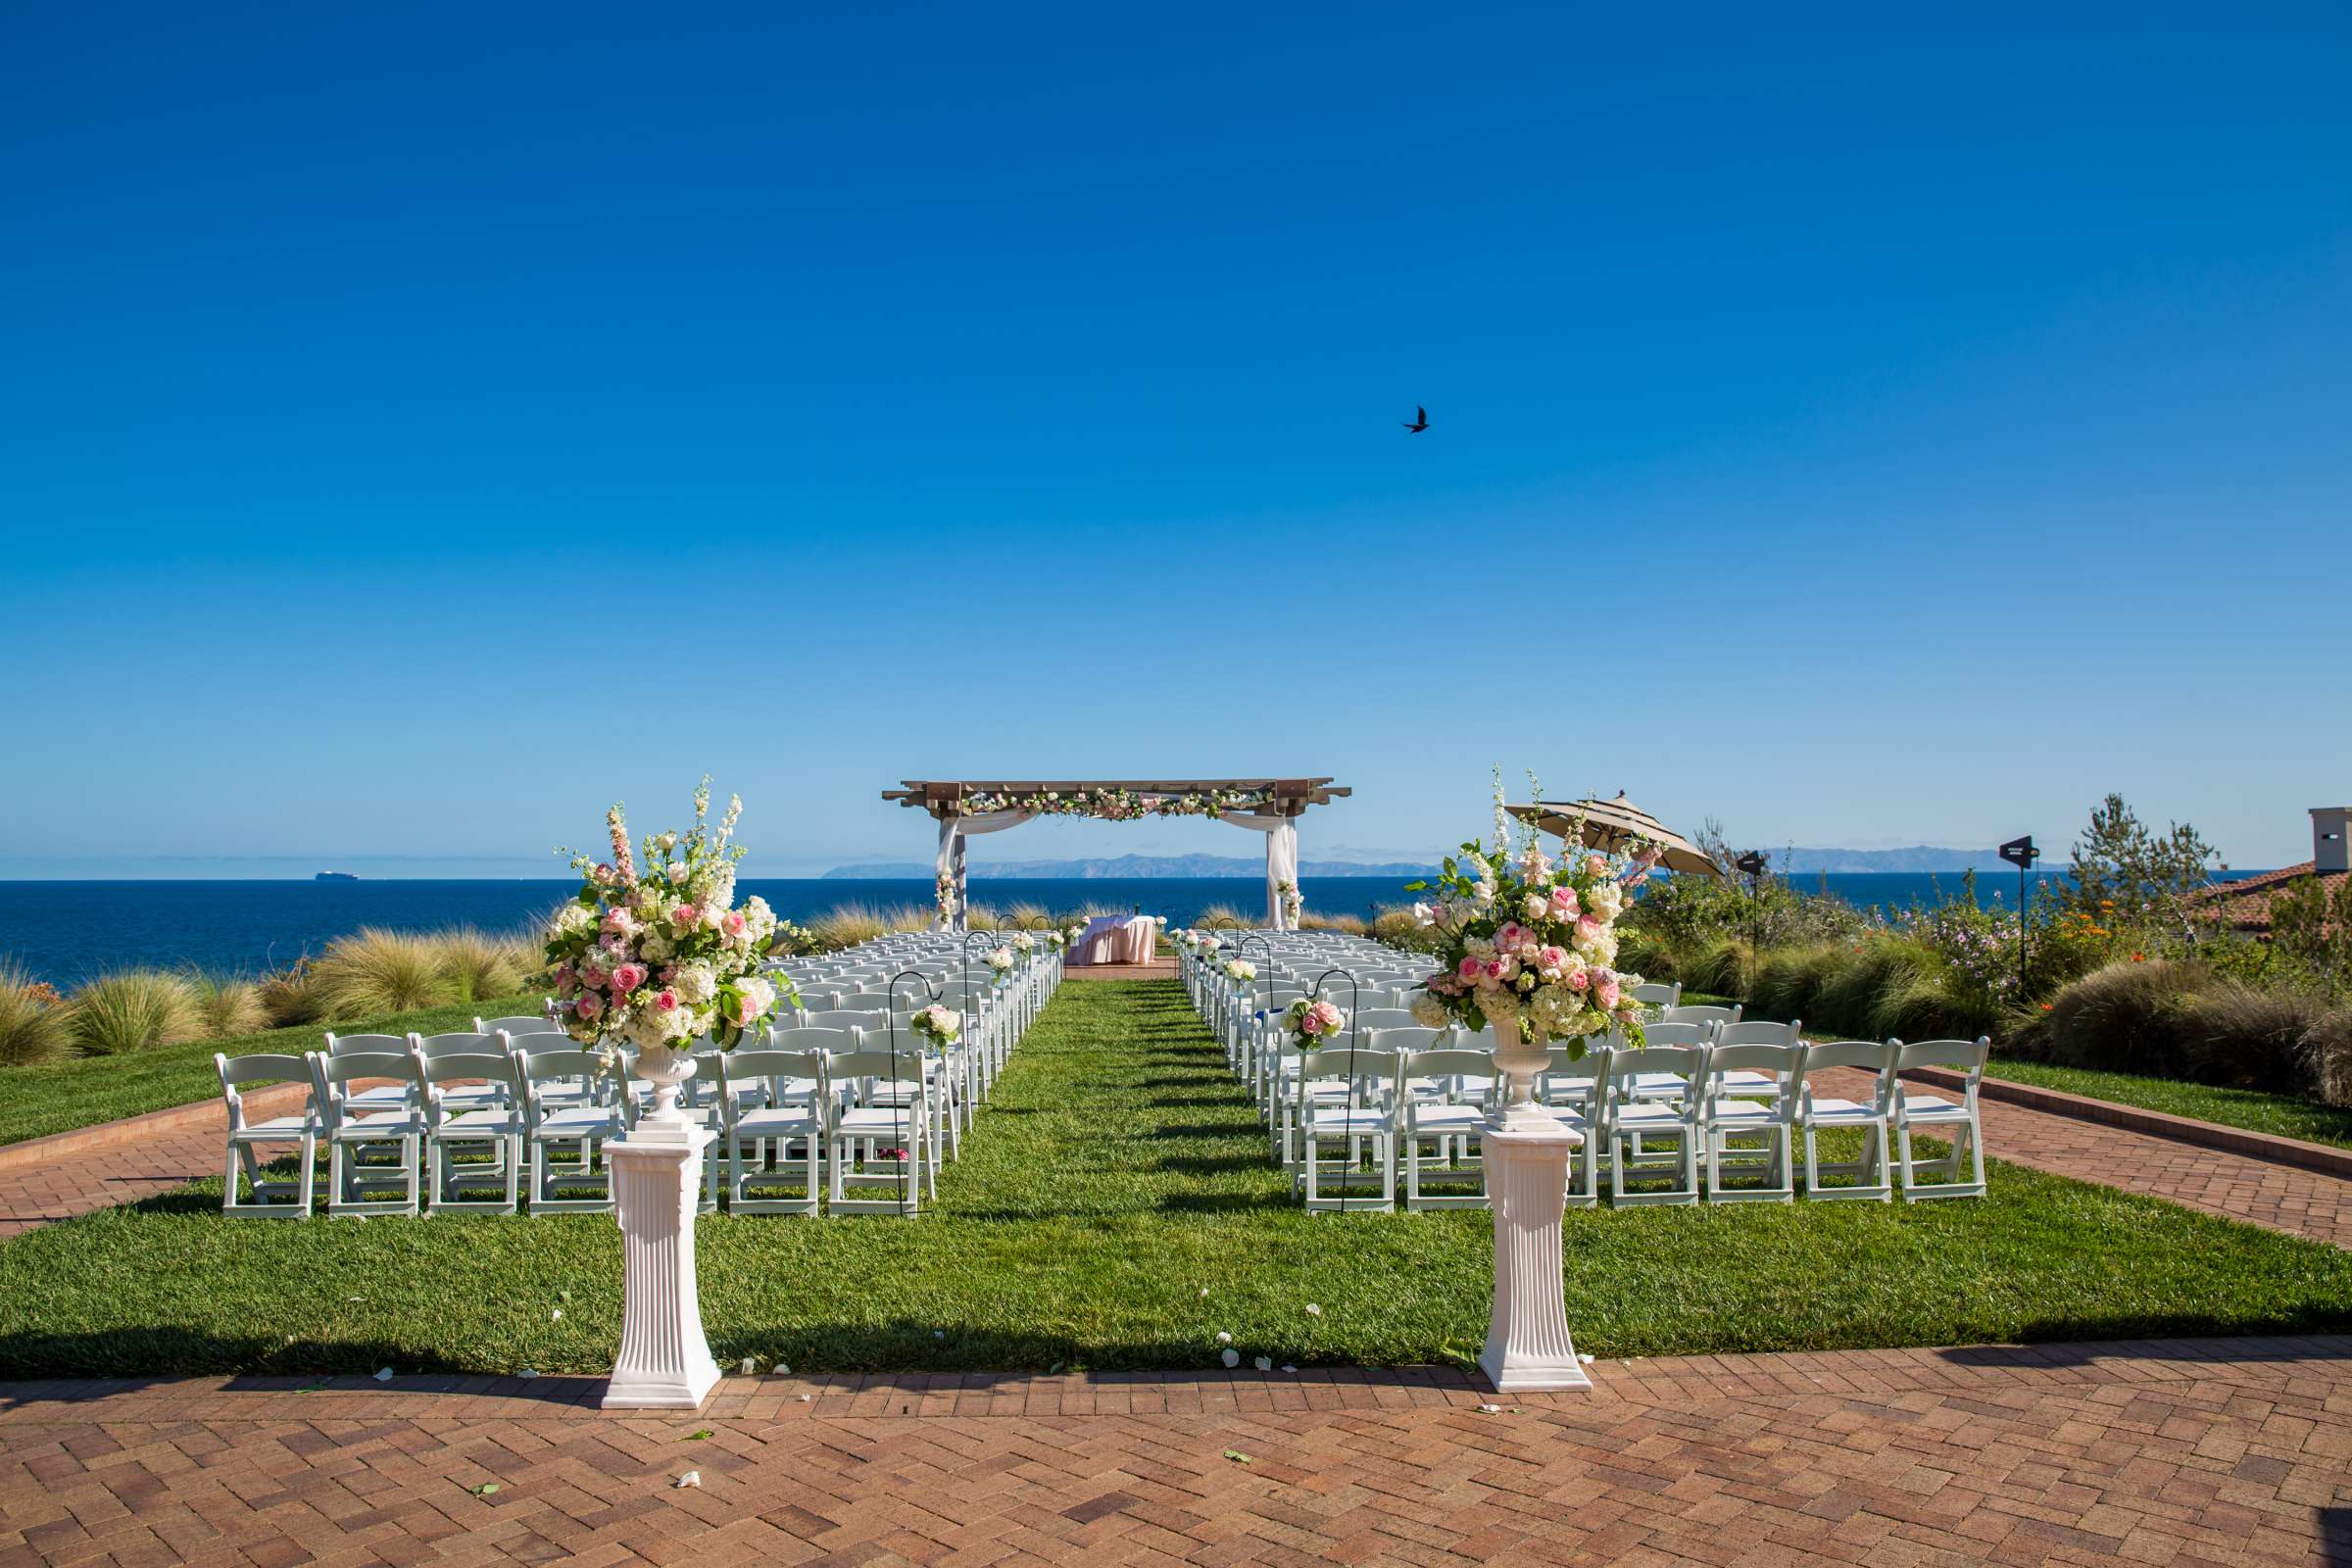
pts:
[2246, 904]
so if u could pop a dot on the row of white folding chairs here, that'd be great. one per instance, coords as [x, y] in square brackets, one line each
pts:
[1729, 1111]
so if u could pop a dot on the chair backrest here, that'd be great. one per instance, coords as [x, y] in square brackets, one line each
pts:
[520, 1023]
[492, 1066]
[1337, 1061]
[1450, 1061]
[543, 1038]
[1968, 1056]
[807, 1037]
[1780, 1062]
[1876, 1056]
[902, 1067]
[1700, 1014]
[366, 1045]
[748, 1066]
[850, 1018]
[1688, 1062]
[1372, 1018]
[1758, 1032]
[261, 1068]
[1396, 1039]
[1658, 994]
[1677, 1034]
[432, 1047]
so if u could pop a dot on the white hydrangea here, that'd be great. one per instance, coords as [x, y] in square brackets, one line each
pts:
[1430, 1013]
[696, 984]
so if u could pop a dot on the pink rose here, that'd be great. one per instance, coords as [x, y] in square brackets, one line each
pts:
[665, 1001]
[629, 978]
[1579, 979]
[746, 1009]
[1589, 928]
[617, 922]
[1510, 936]
[595, 976]
[734, 922]
[1564, 904]
[1597, 864]
[590, 1006]
[1469, 969]
[685, 914]
[1606, 993]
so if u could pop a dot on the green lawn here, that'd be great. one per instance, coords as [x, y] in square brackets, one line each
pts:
[2280, 1114]
[60, 1096]
[1116, 1209]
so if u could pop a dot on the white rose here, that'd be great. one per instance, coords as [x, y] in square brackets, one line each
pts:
[1429, 1012]
[1536, 906]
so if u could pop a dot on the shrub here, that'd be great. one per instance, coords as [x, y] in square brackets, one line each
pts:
[32, 1025]
[2253, 1038]
[1723, 967]
[226, 1007]
[132, 1010]
[1788, 983]
[845, 926]
[374, 972]
[1220, 911]
[1352, 924]
[2122, 1017]
[288, 997]
[479, 967]
[1400, 930]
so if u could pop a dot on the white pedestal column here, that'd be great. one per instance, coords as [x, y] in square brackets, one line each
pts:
[665, 1362]
[1528, 1350]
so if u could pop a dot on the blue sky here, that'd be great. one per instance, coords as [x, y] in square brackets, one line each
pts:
[420, 426]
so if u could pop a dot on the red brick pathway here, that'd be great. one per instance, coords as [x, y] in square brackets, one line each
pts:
[2167, 1453]
[100, 1178]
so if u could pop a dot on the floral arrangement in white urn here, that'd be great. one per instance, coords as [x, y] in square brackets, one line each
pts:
[660, 956]
[1528, 944]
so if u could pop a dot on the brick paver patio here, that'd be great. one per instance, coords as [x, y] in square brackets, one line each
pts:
[2167, 1453]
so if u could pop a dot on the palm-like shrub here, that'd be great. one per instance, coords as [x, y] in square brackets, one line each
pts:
[132, 1010]
[32, 1025]
[373, 971]
[226, 1006]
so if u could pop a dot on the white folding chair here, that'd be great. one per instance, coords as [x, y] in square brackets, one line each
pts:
[273, 1197]
[1366, 1112]
[570, 1103]
[762, 1104]
[1817, 1113]
[1451, 1119]
[858, 1136]
[1632, 1109]
[355, 1125]
[474, 1105]
[1915, 1108]
[1747, 1109]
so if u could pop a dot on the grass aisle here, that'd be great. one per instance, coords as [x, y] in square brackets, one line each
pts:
[1118, 1174]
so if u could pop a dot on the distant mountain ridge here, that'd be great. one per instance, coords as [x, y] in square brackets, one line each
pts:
[1786, 862]
[1130, 867]
[1917, 858]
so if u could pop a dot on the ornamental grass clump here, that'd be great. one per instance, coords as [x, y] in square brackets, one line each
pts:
[478, 965]
[376, 971]
[845, 926]
[226, 1006]
[32, 1023]
[289, 996]
[132, 1010]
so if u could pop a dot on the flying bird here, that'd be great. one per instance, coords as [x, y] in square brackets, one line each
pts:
[1420, 421]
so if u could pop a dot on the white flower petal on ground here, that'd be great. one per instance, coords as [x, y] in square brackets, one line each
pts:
[779, 1370]
[1232, 1357]
[1580, 1356]
[691, 1478]
[557, 1316]
[383, 1375]
[1490, 1409]
[1287, 1367]
[750, 1366]
[1312, 1310]
[1266, 1364]
[1224, 1338]
[528, 1372]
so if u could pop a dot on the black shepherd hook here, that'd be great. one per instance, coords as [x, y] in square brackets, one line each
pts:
[1243, 947]
[1355, 1006]
[898, 1119]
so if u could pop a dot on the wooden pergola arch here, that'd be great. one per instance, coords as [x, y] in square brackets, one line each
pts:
[964, 807]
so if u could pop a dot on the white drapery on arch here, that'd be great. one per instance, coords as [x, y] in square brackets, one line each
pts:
[1282, 858]
[953, 831]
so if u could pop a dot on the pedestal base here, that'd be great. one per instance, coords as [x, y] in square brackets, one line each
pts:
[1528, 1351]
[664, 1362]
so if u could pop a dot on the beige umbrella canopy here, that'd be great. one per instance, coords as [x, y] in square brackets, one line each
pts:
[1617, 824]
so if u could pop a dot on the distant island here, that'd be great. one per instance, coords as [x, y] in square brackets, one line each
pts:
[336, 876]
[1918, 857]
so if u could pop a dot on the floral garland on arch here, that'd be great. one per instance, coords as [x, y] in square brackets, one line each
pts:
[661, 957]
[1528, 944]
[1115, 806]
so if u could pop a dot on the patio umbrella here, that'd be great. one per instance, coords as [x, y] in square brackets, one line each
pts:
[1616, 825]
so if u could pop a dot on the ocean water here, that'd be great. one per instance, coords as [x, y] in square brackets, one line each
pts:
[65, 932]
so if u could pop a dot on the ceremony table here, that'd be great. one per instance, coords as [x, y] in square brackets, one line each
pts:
[1116, 939]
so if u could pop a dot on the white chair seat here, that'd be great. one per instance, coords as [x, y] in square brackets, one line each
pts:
[1840, 1114]
[484, 1123]
[1743, 1111]
[1349, 1123]
[277, 1130]
[1929, 1107]
[578, 1121]
[1645, 1118]
[867, 1122]
[1445, 1120]
[781, 1123]
[375, 1129]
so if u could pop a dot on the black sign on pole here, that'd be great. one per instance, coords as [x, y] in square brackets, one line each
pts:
[2021, 853]
[1751, 866]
